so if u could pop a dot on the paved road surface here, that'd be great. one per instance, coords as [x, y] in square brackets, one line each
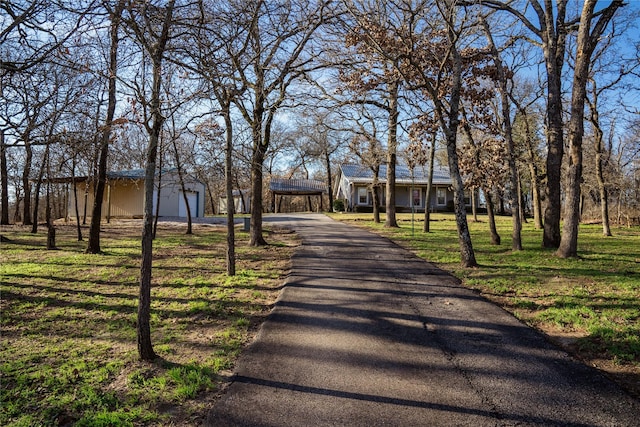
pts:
[366, 334]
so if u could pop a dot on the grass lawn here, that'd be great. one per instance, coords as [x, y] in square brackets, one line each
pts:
[68, 351]
[589, 305]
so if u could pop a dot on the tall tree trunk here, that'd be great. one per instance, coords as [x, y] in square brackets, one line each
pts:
[427, 203]
[93, 243]
[523, 215]
[495, 237]
[75, 200]
[4, 181]
[507, 131]
[158, 186]
[228, 172]
[145, 348]
[327, 161]
[26, 205]
[474, 210]
[375, 199]
[391, 155]
[604, 195]
[36, 199]
[257, 160]
[585, 45]
[183, 187]
[553, 46]
[450, 126]
[51, 229]
[599, 162]
[535, 196]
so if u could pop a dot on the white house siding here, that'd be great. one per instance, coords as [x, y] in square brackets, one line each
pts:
[192, 198]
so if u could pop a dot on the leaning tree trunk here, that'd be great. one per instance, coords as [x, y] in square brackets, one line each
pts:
[450, 128]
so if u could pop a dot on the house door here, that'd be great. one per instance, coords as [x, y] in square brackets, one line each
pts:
[192, 198]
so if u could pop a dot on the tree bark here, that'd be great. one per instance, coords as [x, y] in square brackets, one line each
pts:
[257, 160]
[516, 239]
[26, 205]
[228, 172]
[327, 161]
[93, 243]
[156, 52]
[182, 187]
[375, 198]
[4, 182]
[594, 118]
[75, 202]
[467, 255]
[585, 44]
[36, 199]
[392, 145]
[495, 237]
[427, 210]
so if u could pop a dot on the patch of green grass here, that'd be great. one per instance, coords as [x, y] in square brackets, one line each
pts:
[596, 295]
[68, 344]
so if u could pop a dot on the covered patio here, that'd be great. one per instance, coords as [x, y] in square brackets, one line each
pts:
[295, 187]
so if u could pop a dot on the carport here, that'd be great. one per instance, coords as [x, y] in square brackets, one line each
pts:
[295, 187]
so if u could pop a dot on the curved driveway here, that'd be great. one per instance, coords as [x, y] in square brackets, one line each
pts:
[367, 334]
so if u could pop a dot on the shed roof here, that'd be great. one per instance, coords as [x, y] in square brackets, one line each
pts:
[358, 173]
[130, 174]
[297, 186]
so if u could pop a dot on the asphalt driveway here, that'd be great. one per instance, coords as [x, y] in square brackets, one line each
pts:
[367, 334]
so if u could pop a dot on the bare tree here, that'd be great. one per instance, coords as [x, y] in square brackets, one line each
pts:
[150, 25]
[587, 41]
[274, 59]
[434, 62]
[552, 31]
[502, 79]
[93, 241]
[526, 123]
[4, 180]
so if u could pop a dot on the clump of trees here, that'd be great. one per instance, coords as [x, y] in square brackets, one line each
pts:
[531, 103]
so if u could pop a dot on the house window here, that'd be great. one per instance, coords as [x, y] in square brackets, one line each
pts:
[441, 195]
[467, 198]
[362, 196]
[416, 197]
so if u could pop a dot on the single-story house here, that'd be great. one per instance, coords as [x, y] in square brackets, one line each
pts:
[355, 181]
[124, 195]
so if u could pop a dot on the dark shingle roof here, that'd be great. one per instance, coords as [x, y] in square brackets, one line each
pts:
[362, 174]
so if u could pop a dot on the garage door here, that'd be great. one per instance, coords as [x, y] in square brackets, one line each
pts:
[192, 197]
